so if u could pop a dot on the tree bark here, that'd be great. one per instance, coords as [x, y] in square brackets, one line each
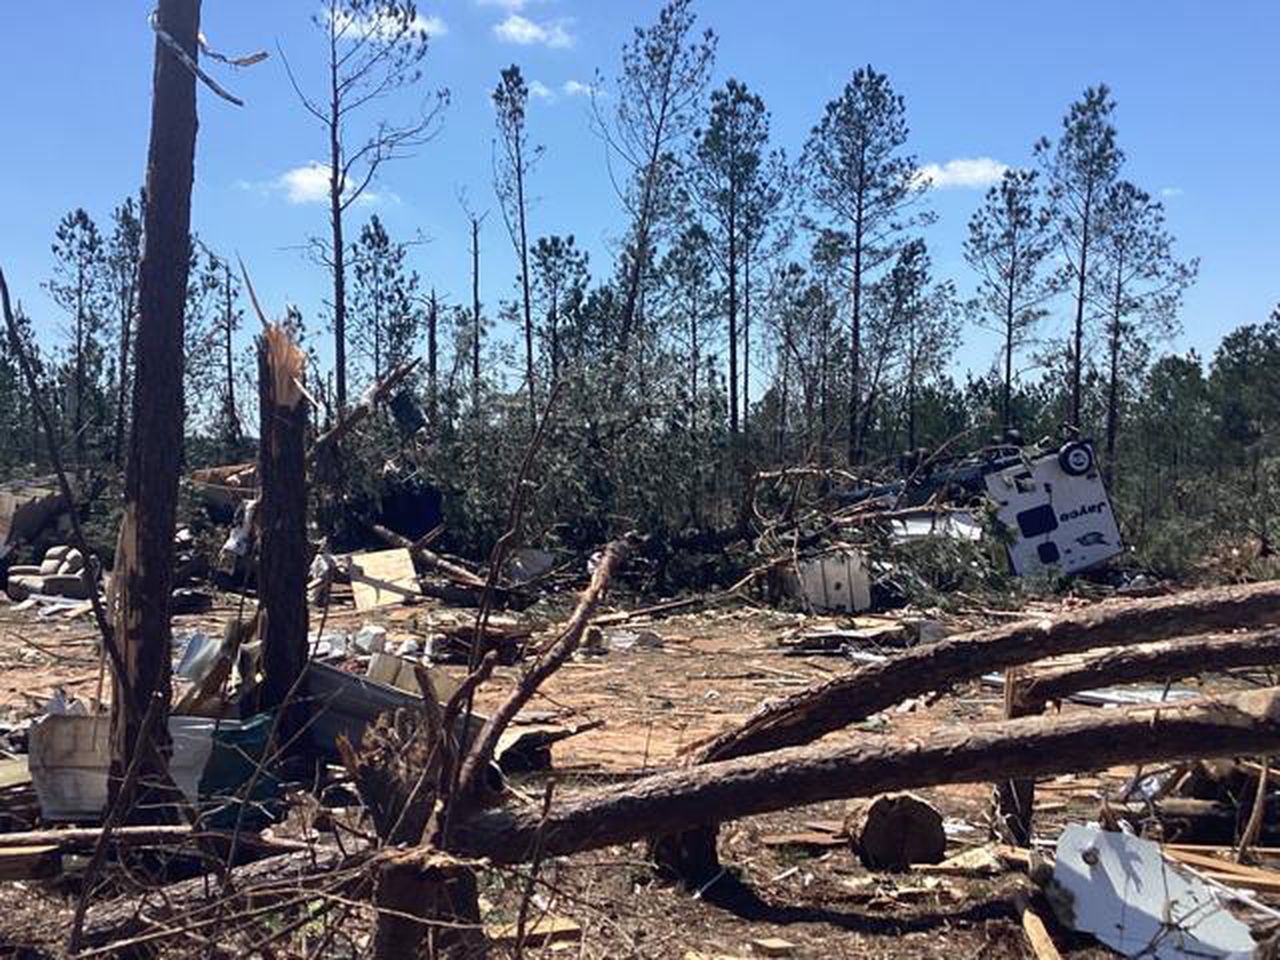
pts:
[829, 706]
[282, 568]
[895, 830]
[477, 327]
[733, 314]
[810, 714]
[1150, 662]
[143, 580]
[1077, 354]
[1033, 746]
[337, 184]
[433, 364]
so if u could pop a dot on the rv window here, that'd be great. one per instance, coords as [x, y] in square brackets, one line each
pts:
[1037, 521]
[1048, 552]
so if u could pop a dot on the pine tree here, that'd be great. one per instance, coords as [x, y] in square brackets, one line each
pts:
[1080, 168]
[858, 173]
[1007, 244]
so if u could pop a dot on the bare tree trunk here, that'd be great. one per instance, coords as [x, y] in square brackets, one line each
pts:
[524, 287]
[1009, 318]
[1033, 746]
[856, 415]
[733, 317]
[1077, 357]
[746, 332]
[337, 183]
[231, 412]
[143, 575]
[433, 360]
[284, 553]
[1113, 382]
[477, 327]
[122, 388]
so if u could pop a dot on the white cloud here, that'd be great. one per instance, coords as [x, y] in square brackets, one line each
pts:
[306, 184]
[1171, 191]
[309, 183]
[384, 27]
[525, 32]
[540, 90]
[576, 88]
[964, 173]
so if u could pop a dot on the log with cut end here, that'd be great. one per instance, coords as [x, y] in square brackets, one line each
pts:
[726, 790]
[894, 831]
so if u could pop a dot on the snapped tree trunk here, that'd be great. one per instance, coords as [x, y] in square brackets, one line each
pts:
[143, 579]
[283, 554]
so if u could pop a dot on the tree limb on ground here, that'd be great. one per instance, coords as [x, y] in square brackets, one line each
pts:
[1032, 746]
[726, 790]
[819, 710]
[1164, 660]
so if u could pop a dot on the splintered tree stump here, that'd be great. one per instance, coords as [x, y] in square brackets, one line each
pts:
[896, 830]
[1013, 801]
[433, 904]
[284, 554]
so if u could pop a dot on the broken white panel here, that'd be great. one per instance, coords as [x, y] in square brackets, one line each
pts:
[70, 756]
[837, 581]
[529, 563]
[960, 525]
[1124, 893]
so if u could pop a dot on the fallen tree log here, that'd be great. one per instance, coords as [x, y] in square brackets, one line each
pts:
[812, 713]
[1033, 746]
[1165, 660]
[83, 839]
[822, 709]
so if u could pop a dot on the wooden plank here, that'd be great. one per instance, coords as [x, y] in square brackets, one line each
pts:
[383, 578]
[543, 930]
[1037, 934]
[1226, 871]
[30, 863]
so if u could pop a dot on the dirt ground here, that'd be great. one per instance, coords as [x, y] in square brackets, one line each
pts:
[711, 670]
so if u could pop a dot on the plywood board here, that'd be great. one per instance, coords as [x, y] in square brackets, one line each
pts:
[383, 578]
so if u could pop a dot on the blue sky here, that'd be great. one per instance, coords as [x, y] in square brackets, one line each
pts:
[1196, 84]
